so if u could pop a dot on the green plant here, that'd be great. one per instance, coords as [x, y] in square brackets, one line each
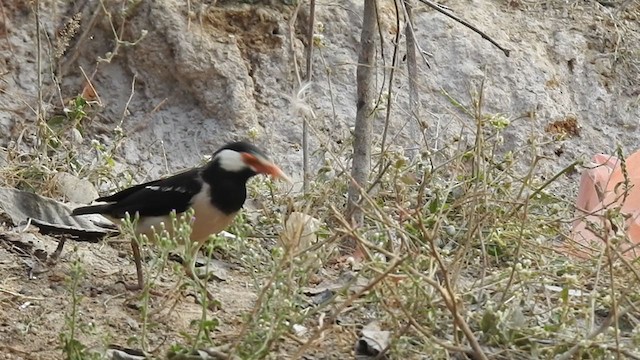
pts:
[72, 347]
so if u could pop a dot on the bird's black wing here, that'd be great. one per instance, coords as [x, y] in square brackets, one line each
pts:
[123, 194]
[156, 198]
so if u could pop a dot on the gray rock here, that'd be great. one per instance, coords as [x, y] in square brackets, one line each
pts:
[74, 189]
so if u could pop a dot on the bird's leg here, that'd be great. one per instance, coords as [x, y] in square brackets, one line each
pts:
[53, 258]
[137, 257]
[138, 260]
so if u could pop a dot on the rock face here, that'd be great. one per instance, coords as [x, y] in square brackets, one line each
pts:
[193, 87]
[181, 81]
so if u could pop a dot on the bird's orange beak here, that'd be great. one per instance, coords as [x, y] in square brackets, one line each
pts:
[263, 166]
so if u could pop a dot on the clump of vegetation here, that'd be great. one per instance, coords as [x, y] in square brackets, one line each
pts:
[72, 347]
[461, 256]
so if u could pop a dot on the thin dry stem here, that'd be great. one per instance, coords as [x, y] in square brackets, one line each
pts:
[309, 74]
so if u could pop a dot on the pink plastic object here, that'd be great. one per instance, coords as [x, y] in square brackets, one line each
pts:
[602, 188]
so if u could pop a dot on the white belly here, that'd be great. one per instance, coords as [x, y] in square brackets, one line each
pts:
[207, 220]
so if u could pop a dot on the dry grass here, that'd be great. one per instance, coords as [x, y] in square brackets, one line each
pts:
[462, 258]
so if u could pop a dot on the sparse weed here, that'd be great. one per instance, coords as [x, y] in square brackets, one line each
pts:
[484, 276]
[72, 347]
[168, 240]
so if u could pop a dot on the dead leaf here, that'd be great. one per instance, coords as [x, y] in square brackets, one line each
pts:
[322, 297]
[347, 280]
[300, 330]
[116, 352]
[372, 342]
[299, 232]
[567, 126]
[212, 268]
[212, 353]
[88, 92]
[51, 216]
[206, 267]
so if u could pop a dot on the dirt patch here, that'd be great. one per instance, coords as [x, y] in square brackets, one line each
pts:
[37, 305]
[257, 29]
[567, 126]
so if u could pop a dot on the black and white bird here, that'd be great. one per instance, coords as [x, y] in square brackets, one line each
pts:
[216, 192]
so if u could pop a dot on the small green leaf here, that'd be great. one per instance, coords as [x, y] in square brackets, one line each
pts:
[489, 323]
[434, 205]
[564, 294]
[56, 122]
[80, 103]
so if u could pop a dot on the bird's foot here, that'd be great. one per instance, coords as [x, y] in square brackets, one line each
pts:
[53, 258]
[130, 287]
[138, 287]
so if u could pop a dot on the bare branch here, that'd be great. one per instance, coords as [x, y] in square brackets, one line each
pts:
[441, 10]
[394, 61]
[362, 139]
[305, 125]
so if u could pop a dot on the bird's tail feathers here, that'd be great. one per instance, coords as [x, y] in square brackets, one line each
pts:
[91, 209]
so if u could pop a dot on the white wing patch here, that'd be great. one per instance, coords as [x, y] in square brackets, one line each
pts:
[179, 189]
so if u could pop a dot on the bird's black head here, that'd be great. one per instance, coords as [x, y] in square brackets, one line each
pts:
[229, 170]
